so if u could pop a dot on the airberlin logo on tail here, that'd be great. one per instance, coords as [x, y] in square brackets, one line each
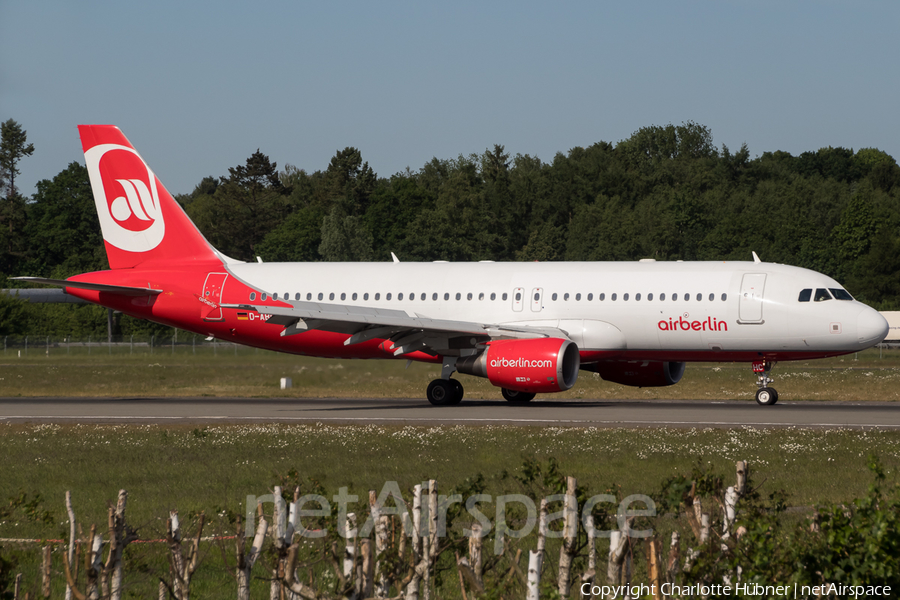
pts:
[685, 324]
[125, 191]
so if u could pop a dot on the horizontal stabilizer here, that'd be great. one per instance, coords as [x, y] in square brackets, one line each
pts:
[122, 290]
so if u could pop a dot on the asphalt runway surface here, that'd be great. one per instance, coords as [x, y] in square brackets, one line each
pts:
[540, 412]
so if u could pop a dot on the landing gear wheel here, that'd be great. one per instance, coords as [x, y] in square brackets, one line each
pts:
[514, 397]
[458, 391]
[441, 393]
[766, 396]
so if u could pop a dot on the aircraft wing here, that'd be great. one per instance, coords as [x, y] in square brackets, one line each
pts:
[123, 290]
[409, 331]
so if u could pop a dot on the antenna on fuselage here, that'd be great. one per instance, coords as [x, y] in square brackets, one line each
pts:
[394, 256]
[755, 257]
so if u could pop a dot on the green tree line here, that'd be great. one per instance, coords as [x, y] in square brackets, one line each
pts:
[666, 192]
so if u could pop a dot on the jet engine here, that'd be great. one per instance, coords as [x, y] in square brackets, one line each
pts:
[639, 373]
[536, 365]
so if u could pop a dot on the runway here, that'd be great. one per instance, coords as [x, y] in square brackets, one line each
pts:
[582, 413]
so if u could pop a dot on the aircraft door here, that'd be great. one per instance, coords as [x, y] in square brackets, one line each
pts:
[751, 301]
[518, 299]
[211, 299]
[537, 299]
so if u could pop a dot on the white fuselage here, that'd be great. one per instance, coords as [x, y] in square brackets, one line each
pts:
[668, 310]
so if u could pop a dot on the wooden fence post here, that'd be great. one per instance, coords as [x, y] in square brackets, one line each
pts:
[246, 559]
[182, 567]
[71, 563]
[588, 576]
[570, 537]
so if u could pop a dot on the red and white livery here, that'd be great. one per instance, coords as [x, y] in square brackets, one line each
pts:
[527, 327]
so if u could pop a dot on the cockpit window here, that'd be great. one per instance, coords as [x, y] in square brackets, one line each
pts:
[805, 295]
[841, 294]
[822, 295]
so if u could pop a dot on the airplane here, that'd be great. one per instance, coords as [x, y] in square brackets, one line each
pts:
[528, 327]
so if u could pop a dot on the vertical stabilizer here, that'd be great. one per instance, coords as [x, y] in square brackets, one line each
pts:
[140, 220]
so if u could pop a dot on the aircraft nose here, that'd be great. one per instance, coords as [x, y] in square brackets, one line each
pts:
[871, 327]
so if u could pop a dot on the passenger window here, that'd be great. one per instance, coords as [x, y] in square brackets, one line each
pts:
[553, 297]
[578, 297]
[343, 295]
[378, 295]
[309, 295]
[650, 297]
[613, 297]
[481, 296]
[366, 296]
[446, 296]
[637, 297]
[331, 296]
[469, 296]
[687, 297]
[287, 295]
[590, 297]
[805, 295]
[353, 297]
[504, 296]
[841, 294]
[321, 296]
[264, 296]
[434, 297]
[699, 297]
[712, 297]
[423, 296]
[674, 297]
[662, 297]
[518, 296]
[458, 296]
[399, 296]
[537, 297]
[724, 297]
[493, 295]
[822, 295]
[387, 296]
[566, 296]
[602, 296]
[274, 296]
[625, 297]
[252, 296]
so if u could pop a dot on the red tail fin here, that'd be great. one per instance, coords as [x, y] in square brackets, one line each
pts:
[141, 222]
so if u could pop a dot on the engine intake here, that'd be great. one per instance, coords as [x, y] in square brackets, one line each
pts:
[536, 365]
[639, 374]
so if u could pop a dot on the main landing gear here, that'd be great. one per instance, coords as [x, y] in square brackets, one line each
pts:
[765, 395]
[445, 392]
[514, 397]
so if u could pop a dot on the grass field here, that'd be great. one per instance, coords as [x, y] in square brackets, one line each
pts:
[214, 469]
[239, 371]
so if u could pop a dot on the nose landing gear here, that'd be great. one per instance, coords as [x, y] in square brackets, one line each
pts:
[765, 395]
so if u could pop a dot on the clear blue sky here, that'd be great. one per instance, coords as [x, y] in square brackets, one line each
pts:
[199, 86]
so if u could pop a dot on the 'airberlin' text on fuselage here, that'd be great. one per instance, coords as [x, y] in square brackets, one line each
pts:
[682, 324]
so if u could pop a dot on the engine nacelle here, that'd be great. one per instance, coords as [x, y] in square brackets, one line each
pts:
[536, 365]
[639, 373]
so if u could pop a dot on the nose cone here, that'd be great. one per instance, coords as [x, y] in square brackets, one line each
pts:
[871, 327]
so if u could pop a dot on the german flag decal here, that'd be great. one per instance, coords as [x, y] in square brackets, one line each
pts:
[242, 316]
